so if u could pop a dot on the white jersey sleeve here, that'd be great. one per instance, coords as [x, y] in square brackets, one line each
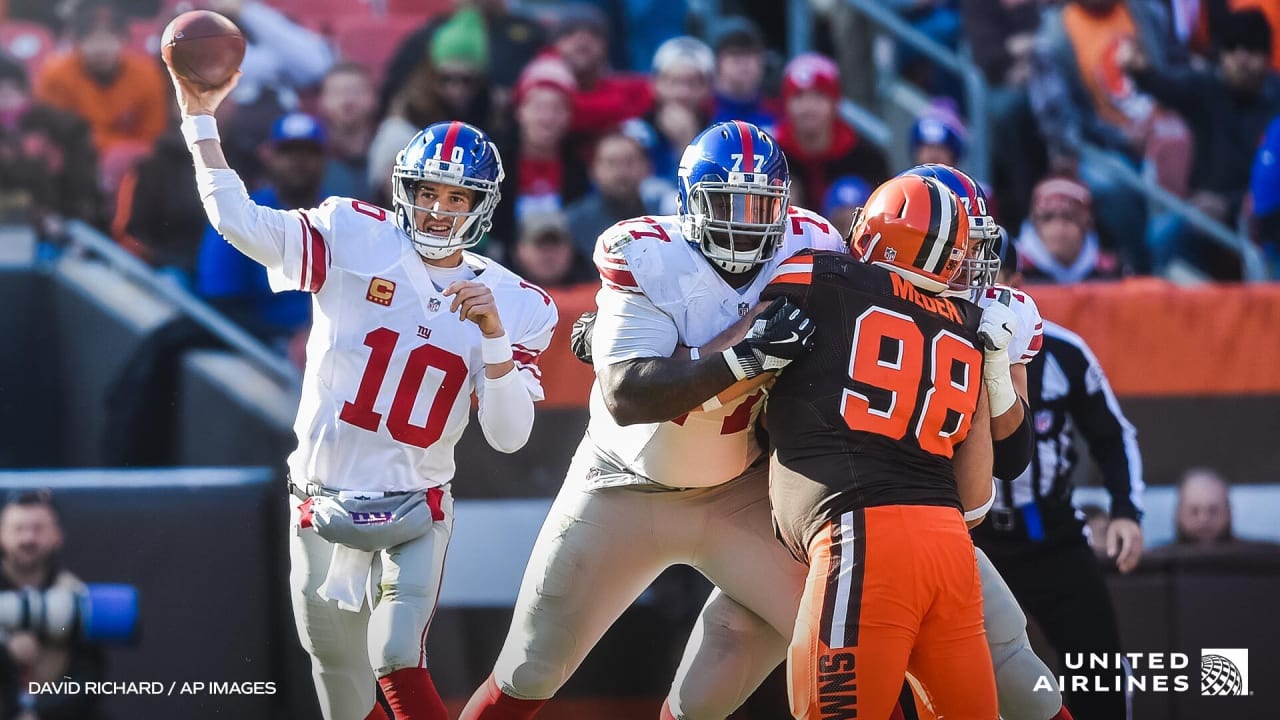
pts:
[292, 244]
[506, 402]
[530, 332]
[629, 324]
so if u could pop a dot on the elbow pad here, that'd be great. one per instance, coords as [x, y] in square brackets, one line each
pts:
[1013, 454]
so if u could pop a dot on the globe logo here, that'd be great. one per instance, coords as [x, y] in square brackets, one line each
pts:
[1219, 676]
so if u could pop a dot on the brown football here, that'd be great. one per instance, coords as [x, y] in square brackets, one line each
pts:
[203, 47]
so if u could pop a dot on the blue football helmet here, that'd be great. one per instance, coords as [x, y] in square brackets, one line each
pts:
[733, 190]
[979, 269]
[450, 153]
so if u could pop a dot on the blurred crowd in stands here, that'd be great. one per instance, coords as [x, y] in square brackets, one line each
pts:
[592, 103]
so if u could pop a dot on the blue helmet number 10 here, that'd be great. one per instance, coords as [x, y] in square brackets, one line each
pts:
[455, 155]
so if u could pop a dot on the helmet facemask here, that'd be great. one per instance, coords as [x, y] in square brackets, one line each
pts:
[736, 225]
[461, 236]
[979, 269]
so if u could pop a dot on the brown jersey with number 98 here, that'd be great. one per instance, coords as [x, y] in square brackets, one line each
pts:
[872, 414]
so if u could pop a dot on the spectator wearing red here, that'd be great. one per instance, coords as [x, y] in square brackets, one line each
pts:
[603, 98]
[545, 169]
[820, 146]
[48, 168]
[1057, 243]
[119, 92]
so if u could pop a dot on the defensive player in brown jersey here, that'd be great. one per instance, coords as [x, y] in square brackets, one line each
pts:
[883, 453]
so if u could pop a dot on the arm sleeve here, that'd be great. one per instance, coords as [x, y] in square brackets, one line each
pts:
[304, 57]
[630, 326]
[506, 403]
[287, 243]
[1113, 441]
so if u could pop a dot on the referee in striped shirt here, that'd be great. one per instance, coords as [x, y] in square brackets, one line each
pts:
[1034, 535]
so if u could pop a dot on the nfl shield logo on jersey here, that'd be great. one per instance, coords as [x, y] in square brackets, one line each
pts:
[743, 309]
[433, 304]
[1044, 421]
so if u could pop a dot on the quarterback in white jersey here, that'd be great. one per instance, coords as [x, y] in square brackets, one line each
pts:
[407, 326]
[666, 474]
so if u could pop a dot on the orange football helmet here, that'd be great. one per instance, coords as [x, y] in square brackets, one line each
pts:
[916, 226]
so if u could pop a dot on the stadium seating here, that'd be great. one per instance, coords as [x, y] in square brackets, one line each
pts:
[371, 40]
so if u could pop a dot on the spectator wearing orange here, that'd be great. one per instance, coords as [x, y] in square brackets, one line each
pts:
[1079, 94]
[1057, 243]
[820, 146]
[119, 92]
[1228, 109]
[48, 167]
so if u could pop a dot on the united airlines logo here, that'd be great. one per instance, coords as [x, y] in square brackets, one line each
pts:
[1224, 671]
[370, 518]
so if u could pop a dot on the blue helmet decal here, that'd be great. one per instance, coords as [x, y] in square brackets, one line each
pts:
[733, 190]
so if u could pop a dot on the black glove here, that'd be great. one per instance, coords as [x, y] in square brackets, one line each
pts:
[779, 335]
[580, 336]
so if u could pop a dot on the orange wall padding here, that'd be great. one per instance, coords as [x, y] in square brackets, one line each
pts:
[1152, 337]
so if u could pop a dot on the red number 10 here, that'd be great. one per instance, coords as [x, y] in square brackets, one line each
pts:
[948, 403]
[382, 343]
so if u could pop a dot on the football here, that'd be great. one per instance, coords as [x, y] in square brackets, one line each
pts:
[203, 47]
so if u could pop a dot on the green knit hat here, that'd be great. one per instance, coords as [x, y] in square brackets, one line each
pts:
[462, 40]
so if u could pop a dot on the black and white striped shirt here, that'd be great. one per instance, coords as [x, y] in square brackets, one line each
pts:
[1068, 392]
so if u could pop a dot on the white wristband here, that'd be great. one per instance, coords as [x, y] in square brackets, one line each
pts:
[495, 351]
[1000, 392]
[199, 127]
[982, 510]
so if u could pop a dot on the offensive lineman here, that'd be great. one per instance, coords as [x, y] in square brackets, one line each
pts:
[666, 473]
[386, 392]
